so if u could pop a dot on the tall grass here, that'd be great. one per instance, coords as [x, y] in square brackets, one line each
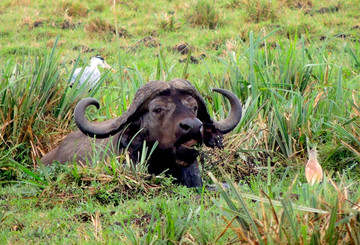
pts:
[29, 93]
[295, 96]
[295, 214]
[35, 100]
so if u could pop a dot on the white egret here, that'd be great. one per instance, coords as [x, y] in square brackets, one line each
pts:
[91, 74]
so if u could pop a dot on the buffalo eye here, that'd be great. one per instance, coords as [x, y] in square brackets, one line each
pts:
[157, 110]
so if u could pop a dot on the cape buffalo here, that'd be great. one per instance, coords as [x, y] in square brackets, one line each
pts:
[171, 113]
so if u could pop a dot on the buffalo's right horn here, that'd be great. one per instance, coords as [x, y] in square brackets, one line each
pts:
[111, 127]
[90, 129]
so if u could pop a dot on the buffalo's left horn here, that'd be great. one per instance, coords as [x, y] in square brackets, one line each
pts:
[228, 124]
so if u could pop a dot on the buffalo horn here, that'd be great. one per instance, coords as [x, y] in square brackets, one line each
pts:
[146, 93]
[111, 127]
[90, 129]
[224, 126]
[228, 124]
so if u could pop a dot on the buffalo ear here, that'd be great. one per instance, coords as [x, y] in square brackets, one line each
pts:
[131, 135]
[212, 137]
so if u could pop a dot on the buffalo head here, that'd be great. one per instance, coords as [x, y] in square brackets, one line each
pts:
[170, 113]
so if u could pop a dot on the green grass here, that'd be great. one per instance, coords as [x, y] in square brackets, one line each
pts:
[93, 204]
[294, 65]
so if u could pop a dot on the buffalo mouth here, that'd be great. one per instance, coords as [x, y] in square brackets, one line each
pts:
[186, 151]
[189, 144]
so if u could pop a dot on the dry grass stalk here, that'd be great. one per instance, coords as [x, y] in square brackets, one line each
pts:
[95, 220]
[242, 236]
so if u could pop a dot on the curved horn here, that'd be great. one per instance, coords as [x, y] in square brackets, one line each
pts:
[224, 126]
[111, 127]
[228, 124]
[90, 129]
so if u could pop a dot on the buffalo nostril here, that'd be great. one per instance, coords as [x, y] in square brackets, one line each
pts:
[190, 125]
[185, 127]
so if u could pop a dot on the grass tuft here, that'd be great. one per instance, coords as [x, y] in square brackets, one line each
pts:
[168, 22]
[204, 14]
[261, 10]
[74, 8]
[97, 27]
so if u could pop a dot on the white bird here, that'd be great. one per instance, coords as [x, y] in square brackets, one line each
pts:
[313, 170]
[91, 74]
